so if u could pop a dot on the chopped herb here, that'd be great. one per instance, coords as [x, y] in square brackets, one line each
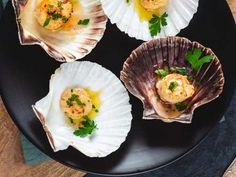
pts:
[78, 101]
[190, 78]
[64, 19]
[180, 106]
[180, 70]
[56, 16]
[127, 1]
[196, 60]
[156, 23]
[173, 85]
[69, 103]
[71, 90]
[93, 106]
[197, 83]
[88, 127]
[46, 22]
[161, 72]
[75, 98]
[96, 110]
[59, 4]
[83, 22]
[50, 6]
[172, 69]
[71, 120]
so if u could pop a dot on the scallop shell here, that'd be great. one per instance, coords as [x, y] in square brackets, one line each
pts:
[114, 118]
[63, 45]
[139, 77]
[124, 15]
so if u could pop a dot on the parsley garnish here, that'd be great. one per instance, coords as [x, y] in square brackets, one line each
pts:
[180, 70]
[88, 127]
[96, 110]
[71, 120]
[59, 4]
[161, 72]
[156, 23]
[190, 78]
[127, 1]
[56, 16]
[173, 85]
[75, 98]
[180, 106]
[83, 22]
[46, 22]
[64, 19]
[196, 60]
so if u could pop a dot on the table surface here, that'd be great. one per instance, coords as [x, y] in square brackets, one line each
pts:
[11, 152]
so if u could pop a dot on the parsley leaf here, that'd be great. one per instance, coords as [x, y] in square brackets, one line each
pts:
[196, 60]
[59, 4]
[173, 85]
[180, 70]
[190, 78]
[71, 120]
[64, 19]
[156, 23]
[88, 127]
[83, 22]
[180, 106]
[161, 72]
[46, 22]
[56, 16]
[75, 98]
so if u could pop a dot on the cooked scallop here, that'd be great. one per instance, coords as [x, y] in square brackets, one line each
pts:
[174, 88]
[152, 5]
[53, 14]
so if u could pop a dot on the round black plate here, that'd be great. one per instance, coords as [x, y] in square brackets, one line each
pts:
[25, 73]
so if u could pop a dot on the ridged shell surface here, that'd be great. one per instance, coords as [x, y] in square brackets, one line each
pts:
[64, 45]
[125, 16]
[139, 77]
[114, 118]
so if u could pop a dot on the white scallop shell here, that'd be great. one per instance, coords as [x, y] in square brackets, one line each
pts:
[113, 120]
[63, 45]
[124, 15]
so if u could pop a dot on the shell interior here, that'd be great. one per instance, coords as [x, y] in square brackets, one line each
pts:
[125, 16]
[69, 43]
[113, 120]
[139, 77]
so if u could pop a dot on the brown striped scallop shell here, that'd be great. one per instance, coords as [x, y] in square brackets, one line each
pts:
[139, 77]
[64, 45]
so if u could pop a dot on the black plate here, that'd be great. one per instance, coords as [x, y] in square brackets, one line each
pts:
[25, 72]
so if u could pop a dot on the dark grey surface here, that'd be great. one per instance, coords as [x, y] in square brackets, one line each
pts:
[211, 158]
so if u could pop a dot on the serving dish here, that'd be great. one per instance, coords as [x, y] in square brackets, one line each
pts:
[24, 76]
